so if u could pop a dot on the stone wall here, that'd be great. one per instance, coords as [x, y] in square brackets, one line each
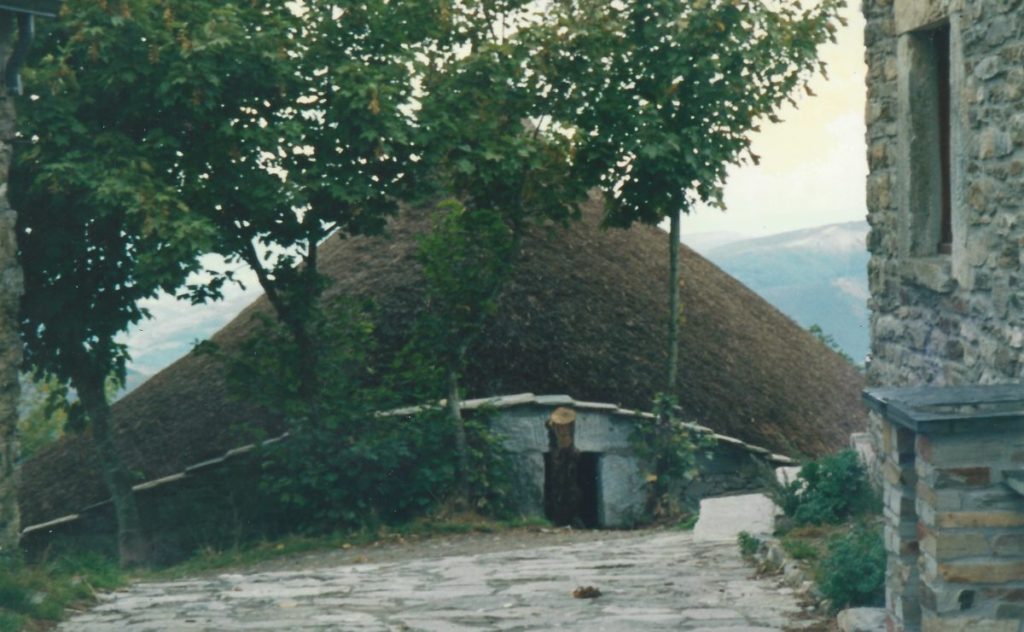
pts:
[10, 344]
[946, 315]
[954, 318]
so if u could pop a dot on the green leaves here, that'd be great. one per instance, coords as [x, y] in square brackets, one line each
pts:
[665, 94]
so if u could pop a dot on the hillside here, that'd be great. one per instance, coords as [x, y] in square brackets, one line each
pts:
[815, 276]
[584, 314]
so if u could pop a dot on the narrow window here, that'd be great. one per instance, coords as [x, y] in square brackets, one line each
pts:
[926, 123]
[940, 43]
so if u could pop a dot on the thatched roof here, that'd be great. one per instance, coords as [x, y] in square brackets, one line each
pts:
[584, 314]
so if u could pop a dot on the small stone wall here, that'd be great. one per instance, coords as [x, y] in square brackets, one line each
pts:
[953, 481]
[602, 431]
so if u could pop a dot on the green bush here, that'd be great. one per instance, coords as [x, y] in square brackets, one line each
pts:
[348, 466]
[41, 592]
[853, 571]
[831, 490]
[670, 454]
[749, 544]
[799, 549]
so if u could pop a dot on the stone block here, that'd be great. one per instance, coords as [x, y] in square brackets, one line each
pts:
[945, 546]
[986, 572]
[527, 490]
[861, 620]
[1009, 545]
[962, 477]
[622, 493]
[600, 432]
[979, 519]
[933, 623]
[522, 429]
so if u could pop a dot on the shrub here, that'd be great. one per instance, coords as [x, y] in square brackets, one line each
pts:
[830, 490]
[32, 594]
[749, 544]
[349, 466]
[853, 571]
[799, 549]
[670, 453]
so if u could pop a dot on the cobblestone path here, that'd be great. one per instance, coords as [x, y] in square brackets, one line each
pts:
[661, 580]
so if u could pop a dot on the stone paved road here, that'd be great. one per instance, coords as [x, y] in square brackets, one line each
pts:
[661, 580]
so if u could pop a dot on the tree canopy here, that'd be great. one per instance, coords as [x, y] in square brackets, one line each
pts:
[159, 130]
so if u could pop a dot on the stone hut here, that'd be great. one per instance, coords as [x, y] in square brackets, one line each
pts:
[946, 207]
[584, 313]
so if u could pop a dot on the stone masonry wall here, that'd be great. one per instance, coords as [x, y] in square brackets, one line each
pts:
[949, 319]
[10, 345]
[946, 319]
[970, 530]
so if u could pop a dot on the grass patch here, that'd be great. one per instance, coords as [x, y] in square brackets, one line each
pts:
[800, 549]
[32, 596]
[688, 523]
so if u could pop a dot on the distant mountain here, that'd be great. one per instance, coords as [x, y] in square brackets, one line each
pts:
[704, 242]
[814, 276]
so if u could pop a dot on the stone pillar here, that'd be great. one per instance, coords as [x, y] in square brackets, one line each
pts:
[954, 507]
[899, 490]
[971, 524]
[10, 344]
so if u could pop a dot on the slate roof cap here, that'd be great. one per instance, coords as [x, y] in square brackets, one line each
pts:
[948, 409]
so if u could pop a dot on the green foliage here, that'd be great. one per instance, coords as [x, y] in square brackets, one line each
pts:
[748, 544]
[829, 490]
[669, 453]
[353, 465]
[799, 549]
[43, 414]
[43, 591]
[466, 259]
[853, 572]
[830, 342]
[688, 523]
[664, 95]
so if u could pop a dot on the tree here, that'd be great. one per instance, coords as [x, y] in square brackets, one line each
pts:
[104, 223]
[489, 148]
[160, 129]
[466, 259]
[312, 147]
[663, 96]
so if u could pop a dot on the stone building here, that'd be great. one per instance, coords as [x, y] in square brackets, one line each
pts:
[945, 116]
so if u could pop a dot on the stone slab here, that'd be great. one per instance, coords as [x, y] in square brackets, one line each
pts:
[722, 519]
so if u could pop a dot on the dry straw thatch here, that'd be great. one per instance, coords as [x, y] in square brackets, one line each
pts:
[584, 314]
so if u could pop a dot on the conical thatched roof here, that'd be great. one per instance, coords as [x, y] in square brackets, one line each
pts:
[584, 314]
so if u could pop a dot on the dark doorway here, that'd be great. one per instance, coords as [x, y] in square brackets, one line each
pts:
[571, 488]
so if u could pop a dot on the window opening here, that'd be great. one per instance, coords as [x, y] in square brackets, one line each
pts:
[941, 51]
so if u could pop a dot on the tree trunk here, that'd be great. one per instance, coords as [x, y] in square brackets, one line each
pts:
[308, 371]
[562, 495]
[131, 542]
[10, 344]
[673, 306]
[461, 447]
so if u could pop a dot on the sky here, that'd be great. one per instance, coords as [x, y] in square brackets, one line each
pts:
[812, 172]
[813, 164]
